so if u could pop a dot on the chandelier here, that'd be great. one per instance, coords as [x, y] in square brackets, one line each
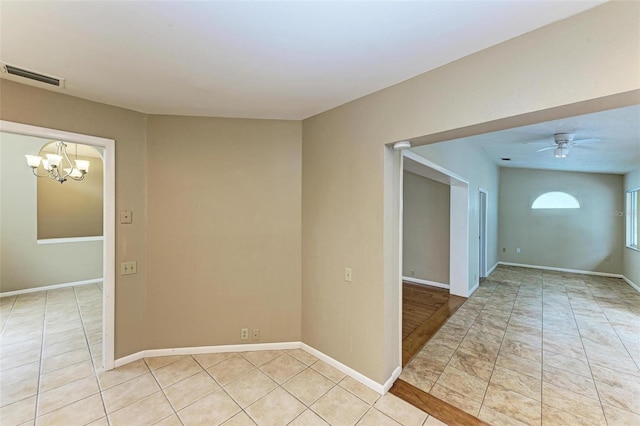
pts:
[58, 166]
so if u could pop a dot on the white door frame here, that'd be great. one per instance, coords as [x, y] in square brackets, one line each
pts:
[459, 218]
[108, 266]
[483, 202]
[458, 227]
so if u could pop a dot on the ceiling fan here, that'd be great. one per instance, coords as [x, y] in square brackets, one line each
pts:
[564, 141]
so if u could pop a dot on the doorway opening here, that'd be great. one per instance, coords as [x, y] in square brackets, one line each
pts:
[458, 217]
[482, 237]
[436, 304]
[108, 214]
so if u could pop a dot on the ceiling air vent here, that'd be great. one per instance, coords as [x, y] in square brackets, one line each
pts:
[41, 78]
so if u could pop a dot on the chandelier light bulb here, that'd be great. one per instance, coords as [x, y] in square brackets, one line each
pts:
[59, 166]
[82, 165]
[54, 160]
[33, 160]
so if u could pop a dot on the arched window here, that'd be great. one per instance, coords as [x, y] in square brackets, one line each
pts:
[555, 200]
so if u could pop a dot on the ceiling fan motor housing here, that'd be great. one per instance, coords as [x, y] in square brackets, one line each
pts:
[561, 138]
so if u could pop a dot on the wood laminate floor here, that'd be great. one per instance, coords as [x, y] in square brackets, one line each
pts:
[419, 302]
[424, 310]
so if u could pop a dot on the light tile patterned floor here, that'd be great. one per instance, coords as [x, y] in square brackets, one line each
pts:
[50, 346]
[538, 347]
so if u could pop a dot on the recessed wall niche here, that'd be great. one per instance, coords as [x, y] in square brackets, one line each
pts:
[74, 208]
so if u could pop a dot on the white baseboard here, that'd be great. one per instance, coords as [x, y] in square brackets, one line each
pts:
[249, 347]
[425, 282]
[493, 268]
[631, 283]
[128, 358]
[149, 353]
[391, 380]
[371, 384]
[380, 388]
[50, 287]
[473, 289]
[70, 240]
[573, 271]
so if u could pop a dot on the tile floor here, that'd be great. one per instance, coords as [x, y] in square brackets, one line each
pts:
[538, 347]
[50, 348]
[529, 347]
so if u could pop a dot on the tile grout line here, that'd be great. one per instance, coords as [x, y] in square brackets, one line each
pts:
[84, 331]
[614, 330]
[4, 326]
[86, 338]
[228, 395]
[542, 349]
[461, 340]
[222, 387]
[585, 350]
[307, 407]
[484, 396]
[11, 312]
[491, 290]
[121, 383]
[255, 367]
[144, 360]
[542, 381]
[280, 385]
[44, 326]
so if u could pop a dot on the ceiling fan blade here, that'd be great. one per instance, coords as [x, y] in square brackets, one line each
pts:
[537, 141]
[588, 140]
[546, 149]
[586, 148]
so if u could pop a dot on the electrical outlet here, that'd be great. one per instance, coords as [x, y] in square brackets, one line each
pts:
[128, 268]
[244, 334]
[256, 334]
[347, 274]
[518, 250]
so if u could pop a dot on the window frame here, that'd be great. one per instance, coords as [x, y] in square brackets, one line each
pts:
[568, 198]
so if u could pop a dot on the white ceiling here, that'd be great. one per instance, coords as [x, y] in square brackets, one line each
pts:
[617, 151]
[291, 60]
[285, 60]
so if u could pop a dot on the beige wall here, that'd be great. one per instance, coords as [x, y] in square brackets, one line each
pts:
[632, 257]
[348, 185]
[579, 239]
[425, 240]
[223, 231]
[344, 218]
[71, 209]
[24, 104]
[24, 263]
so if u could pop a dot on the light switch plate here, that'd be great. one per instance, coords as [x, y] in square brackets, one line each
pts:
[348, 274]
[126, 216]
